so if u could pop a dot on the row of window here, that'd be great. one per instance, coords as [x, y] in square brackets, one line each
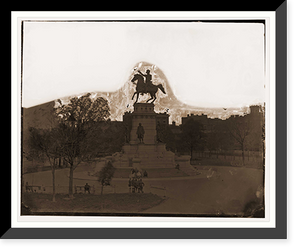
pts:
[142, 116]
[149, 109]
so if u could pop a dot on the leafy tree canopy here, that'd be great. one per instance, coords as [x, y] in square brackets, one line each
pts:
[83, 109]
[191, 132]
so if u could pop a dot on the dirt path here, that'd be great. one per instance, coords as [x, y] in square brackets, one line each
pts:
[216, 190]
[228, 192]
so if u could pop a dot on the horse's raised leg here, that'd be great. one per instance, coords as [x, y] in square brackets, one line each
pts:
[133, 95]
[137, 97]
[154, 98]
[150, 98]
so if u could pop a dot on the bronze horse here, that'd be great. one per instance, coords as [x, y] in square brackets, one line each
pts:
[142, 88]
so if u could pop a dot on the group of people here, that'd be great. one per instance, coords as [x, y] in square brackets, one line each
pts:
[135, 182]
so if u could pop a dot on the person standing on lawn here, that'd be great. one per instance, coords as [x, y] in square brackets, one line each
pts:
[87, 188]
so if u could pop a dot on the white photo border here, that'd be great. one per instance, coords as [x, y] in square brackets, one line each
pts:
[19, 221]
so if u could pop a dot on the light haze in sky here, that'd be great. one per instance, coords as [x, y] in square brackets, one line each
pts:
[206, 64]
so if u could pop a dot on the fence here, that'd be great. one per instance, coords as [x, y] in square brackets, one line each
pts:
[77, 189]
[234, 158]
[229, 154]
[95, 190]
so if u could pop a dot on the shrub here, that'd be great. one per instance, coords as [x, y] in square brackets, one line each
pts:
[106, 174]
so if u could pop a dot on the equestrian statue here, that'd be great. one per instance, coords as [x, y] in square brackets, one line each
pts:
[145, 86]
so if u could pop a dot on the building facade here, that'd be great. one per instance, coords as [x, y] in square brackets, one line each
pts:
[228, 134]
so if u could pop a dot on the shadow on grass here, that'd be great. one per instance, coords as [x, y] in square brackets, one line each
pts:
[36, 204]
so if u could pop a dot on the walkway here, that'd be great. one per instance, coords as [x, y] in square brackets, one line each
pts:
[215, 190]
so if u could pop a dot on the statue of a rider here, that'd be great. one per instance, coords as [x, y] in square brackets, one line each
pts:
[148, 82]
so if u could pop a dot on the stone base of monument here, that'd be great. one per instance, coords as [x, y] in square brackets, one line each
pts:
[185, 166]
[150, 154]
[144, 156]
[183, 161]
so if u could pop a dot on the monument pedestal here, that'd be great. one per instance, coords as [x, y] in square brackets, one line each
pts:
[144, 114]
[145, 156]
[136, 163]
[149, 154]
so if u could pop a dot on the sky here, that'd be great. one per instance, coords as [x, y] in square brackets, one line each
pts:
[206, 64]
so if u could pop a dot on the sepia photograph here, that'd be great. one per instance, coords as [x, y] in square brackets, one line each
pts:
[158, 118]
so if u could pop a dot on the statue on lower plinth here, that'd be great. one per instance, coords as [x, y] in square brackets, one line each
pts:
[140, 133]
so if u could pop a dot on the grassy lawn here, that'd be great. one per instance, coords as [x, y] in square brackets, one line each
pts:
[85, 203]
[229, 161]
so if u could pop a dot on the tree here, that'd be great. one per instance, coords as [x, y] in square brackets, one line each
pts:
[114, 137]
[165, 135]
[191, 135]
[217, 138]
[77, 129]
[106, 174]
[45, 142]
[239, 128]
